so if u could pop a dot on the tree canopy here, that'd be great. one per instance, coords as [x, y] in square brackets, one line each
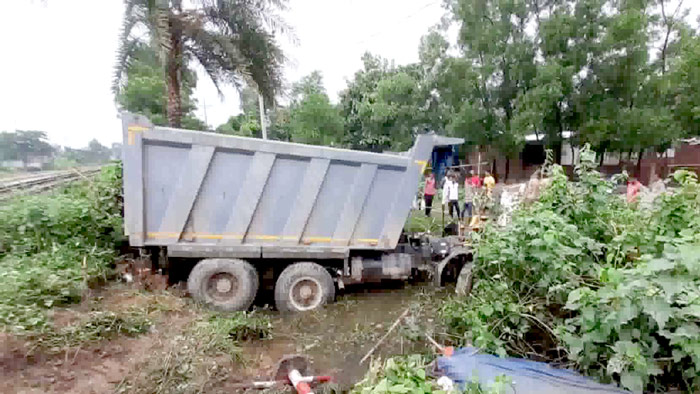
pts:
[621, 76]
[233, 40]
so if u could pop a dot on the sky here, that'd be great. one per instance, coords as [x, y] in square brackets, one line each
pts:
[58, 56]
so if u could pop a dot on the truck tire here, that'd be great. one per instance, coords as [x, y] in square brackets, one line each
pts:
[465, 280]
[303, 287]
[224, 284]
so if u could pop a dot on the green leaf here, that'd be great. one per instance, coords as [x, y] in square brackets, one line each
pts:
[487, 310]
[399, 388]
[574, 297]
[632, 382]
[627, 312]
[660, 264]
[658, 309]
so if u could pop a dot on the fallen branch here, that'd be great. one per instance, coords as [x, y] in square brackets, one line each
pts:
[393, 326]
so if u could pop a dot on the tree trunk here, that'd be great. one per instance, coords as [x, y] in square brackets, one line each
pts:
[172, 79]
[560, 129]
[602, 157]
[505, 178]
[557, 152]
[573, 153]
[638, 170]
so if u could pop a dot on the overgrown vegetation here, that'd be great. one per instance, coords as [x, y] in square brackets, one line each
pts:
[99, 325]
[53, 246]
[199, 358]
[407, 374]
[584, 279]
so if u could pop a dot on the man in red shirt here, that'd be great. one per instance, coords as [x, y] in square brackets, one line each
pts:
[633, 187]
[429, 192]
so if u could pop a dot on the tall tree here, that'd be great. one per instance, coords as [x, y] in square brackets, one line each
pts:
[233, 40]
[24, 145]
[499, 55]
[144, 90]
[685, 79]
[247, 123]
[313, 119]
[384, 105]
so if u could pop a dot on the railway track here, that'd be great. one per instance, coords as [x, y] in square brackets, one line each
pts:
[44, 181]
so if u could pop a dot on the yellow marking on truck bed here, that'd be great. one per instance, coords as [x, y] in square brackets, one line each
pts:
[132, 130]
[165, 234]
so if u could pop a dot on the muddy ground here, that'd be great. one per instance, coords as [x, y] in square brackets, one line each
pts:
[175, 356]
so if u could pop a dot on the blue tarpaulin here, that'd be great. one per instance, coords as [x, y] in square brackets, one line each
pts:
[527, 377]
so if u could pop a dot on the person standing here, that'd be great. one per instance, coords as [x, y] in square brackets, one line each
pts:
[450, 195]
[633, 186]
[471, 185]
[489, 184]
[429, 192]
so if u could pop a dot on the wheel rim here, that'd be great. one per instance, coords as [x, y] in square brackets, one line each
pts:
[221, 286]
[306, 294]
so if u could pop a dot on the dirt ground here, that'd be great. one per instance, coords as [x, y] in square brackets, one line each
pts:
[171, 358]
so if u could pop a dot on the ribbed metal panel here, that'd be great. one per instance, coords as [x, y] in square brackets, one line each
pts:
[203, 190]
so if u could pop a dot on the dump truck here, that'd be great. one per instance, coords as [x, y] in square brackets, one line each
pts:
[308, 219]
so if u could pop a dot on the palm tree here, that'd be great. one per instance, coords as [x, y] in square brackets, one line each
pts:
[233, 40]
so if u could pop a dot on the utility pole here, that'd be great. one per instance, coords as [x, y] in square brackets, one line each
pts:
[206, 121]
[263, 126]
[206, 118]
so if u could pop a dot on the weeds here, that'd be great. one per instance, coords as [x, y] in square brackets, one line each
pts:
[83, 214]
[98, 326]
[582, 278]
[200, 358]
[419, 223]
[407, 374]
[46, 239]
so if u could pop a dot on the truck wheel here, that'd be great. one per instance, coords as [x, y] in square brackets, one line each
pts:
[224, 284]
[303, 287]
[465, 280]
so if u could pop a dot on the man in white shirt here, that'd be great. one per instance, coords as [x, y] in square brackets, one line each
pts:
[450, 194]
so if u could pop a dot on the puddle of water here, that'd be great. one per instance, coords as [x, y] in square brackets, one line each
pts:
[338, 336]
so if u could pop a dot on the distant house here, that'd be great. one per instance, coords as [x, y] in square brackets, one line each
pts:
[653, 165]
[32, 163]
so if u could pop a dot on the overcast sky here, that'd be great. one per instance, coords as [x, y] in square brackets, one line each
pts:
[58, 55]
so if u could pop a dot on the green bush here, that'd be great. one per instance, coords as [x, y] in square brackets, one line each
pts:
[86, 213]
[640, 324]
[240, 326]
[582, 277]
[406, 374]
[53, 245]
[31, 284]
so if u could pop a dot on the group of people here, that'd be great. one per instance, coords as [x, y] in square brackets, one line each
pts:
[450, 192]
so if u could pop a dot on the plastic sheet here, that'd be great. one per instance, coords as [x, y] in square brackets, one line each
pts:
[527, 377]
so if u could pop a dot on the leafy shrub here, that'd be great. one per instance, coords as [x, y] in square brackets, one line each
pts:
[88, 213]
[406, 374]
[44, 241]
[641, 325]
[31, 284]
[581, 277]
[397, 375]
[241, 326]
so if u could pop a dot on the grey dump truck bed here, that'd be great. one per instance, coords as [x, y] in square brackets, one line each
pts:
[203, 194]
